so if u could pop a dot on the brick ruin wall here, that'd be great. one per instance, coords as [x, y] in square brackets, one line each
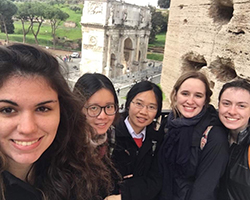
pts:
[212, 36]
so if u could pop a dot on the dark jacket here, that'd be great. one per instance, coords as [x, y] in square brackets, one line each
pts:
[17, 189]
[236, 181]
[141, 162]
[206, 166]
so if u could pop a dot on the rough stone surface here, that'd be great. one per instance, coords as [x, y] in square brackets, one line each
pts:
[208, 35]
[114, 37]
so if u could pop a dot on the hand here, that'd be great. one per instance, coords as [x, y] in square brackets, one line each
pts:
[128, 176]
[113, 197]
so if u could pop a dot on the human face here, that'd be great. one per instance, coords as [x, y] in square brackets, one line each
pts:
[190, 97]
[234, 109]
[29, 118]
[142, 117]
[102, 122]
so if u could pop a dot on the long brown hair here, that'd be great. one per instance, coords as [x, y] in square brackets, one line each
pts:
[69, 168]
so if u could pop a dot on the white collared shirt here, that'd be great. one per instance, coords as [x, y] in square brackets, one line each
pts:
[142, 134]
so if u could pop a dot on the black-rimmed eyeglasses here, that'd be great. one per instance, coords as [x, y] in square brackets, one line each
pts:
[95, 110]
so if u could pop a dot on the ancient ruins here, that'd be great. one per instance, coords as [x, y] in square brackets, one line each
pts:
[207, 35]
[115, 37]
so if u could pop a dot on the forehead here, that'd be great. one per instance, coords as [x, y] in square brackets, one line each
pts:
[236, 94]
[21, 87]
[24, 79]
[101, 96]
[147, 96]
[193, 84]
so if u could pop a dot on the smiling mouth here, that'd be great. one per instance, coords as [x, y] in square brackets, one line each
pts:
[23, 143]
[101, 124]
[231, 119]
[189, 108]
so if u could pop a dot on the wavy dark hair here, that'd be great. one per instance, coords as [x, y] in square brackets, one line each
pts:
[86, 86]
[69, 168]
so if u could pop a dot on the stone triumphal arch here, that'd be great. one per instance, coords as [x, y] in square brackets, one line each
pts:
[115, 37]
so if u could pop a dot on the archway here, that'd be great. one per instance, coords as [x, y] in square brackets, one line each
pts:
[127, 52]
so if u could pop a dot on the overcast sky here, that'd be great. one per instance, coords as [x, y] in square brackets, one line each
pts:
[143, 2]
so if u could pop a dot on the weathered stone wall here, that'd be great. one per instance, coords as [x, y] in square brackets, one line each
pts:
[208, 35]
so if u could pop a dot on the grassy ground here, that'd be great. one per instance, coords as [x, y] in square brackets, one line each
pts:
[160, 40]
[155, 56]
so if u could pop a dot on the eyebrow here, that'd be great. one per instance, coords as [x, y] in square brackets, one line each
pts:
[15, 104]
[45, 102]
[239, 102]
[144, 102]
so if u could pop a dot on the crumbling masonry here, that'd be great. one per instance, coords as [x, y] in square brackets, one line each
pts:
[208, 35]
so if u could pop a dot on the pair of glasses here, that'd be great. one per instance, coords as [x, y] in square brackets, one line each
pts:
[151, 108]
[95, 110]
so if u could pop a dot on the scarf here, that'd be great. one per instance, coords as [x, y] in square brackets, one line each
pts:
[175, 150]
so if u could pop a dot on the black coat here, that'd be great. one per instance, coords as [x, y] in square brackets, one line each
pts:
[206, 166]
[141, 162]
[16, 189]
[236, 181]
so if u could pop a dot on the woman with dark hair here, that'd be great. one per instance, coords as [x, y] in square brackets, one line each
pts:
[234, 113]
[45, 151]
[99, 102]
[194, 153]
[100, 105]
[137, 143]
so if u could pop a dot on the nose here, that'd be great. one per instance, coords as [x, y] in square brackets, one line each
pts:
[27, 124]
[190, 100]
[232, 110]
[144, 110]
[102, 114]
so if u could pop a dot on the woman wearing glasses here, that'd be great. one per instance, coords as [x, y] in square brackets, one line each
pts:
[137, 142]
[100, 105]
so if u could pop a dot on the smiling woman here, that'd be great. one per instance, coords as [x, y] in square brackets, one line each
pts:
[234, 112]
[194, 152]
[24, 135]
[45, 151]
[137, 143]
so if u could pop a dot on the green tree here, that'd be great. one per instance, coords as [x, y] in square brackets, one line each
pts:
[7, 10]
[31, 13]
[164, 3]
[24, 15]
[38, 17]
[56, 16]
[75, 8]
[159, 22]
[9, 25]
